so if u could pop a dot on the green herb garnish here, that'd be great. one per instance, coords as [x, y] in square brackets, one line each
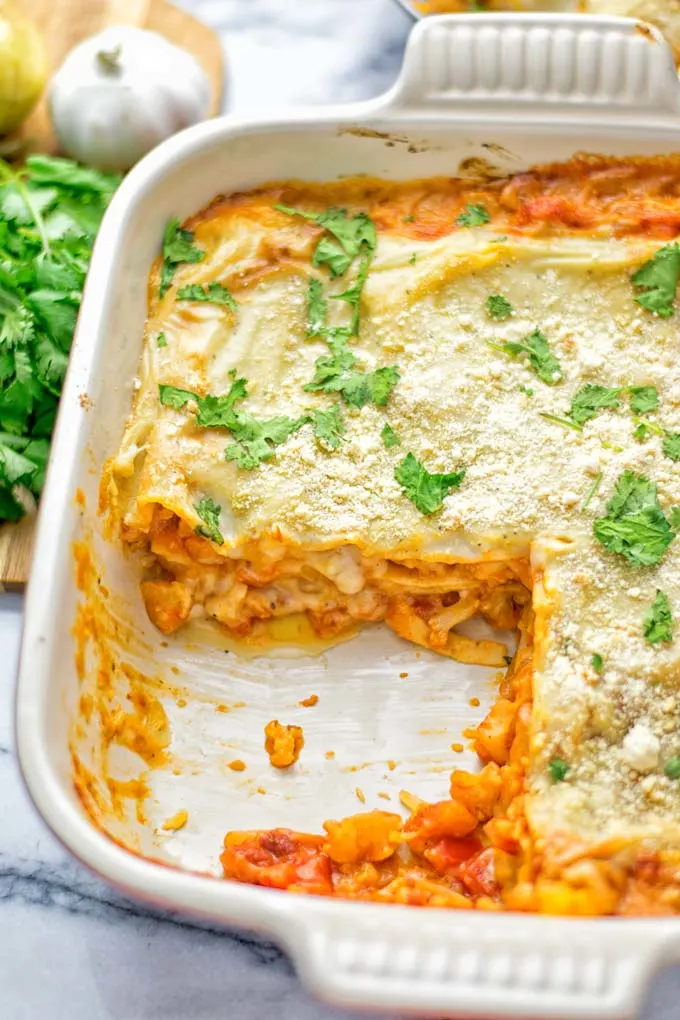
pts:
[561, 421]
[389, 436]
[498, 307]
[427, 491]
[644, 429]
[317, 308]
[473, 216]
[671, 445]
[643, 399]
[635, 526]
[349, 237]
[672, 768]
[336, 373]
[161, 341]
[214, 293]
[658, 622]
[353, 294]
[329, 427]
[209, 512]
[658, 279]
[590, 400]
[558, 769]
[256, 440]
[527, 390]
[592, 490]
[178, 246]
[175, 396]
[542, 360]
[597, 662]
[50, 210]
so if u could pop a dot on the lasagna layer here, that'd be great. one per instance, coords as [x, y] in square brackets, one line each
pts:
[421, 402]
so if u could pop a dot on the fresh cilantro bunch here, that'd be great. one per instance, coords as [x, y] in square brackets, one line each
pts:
[50, 211]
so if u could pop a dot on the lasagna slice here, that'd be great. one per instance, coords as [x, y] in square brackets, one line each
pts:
[420, 403]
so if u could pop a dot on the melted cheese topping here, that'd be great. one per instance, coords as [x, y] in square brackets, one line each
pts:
[564, 261]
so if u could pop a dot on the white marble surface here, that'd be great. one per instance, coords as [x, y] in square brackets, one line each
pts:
[70, 948]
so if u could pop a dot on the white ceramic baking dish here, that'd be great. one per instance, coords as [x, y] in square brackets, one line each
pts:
[506, 89]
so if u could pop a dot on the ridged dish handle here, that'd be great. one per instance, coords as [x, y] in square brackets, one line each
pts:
[538, 64]
[460, 963]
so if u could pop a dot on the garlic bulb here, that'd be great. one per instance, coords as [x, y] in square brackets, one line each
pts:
[120, 93]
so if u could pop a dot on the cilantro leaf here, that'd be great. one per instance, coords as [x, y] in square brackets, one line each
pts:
[658, 621]
[209, 512]
[671, 445]
[542, 360]
[352, 236]
[11, 509]
[13, 204]
[329, 427]
[37, 451]
[558, 769]
[175, 396]
[50, 364]
[498, 307]
[644, 429]
[335, 373]
[473, 216]
[214, 293]
[255, 440]
[426, 491]
[213, 412]
[674, 518]
[389, 436]
[635, 526]
[57, 314]
[597, 662]
[643, 399]
[672, 767]
[71, 176]
[178, 246]
[590, 400]
[658, 280]
[353, 295]
[317, 308]
[218, 412]
[161, 341]
[15, 467]
[328, 252]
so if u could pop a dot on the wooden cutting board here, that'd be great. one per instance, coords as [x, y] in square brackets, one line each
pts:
[63, 24]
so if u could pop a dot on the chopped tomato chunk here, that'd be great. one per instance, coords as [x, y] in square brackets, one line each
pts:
[278, 858]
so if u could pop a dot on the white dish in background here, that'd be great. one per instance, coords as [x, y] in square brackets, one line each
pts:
[513, 90]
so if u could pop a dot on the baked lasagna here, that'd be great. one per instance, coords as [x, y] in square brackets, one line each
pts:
[415, 404]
